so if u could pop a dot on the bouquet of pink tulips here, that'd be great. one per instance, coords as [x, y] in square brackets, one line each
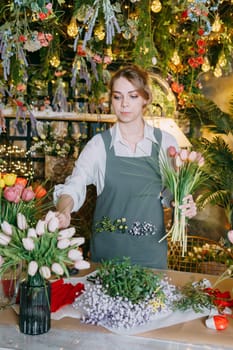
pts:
[43, 249]
[16, 195]
[182, 175]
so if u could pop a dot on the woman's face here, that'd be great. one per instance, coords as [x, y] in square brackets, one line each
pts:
[127, 103]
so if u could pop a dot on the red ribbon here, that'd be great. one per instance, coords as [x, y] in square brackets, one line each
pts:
[220, 299]
[63, 294]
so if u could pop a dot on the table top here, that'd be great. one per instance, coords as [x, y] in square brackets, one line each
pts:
[68, 332]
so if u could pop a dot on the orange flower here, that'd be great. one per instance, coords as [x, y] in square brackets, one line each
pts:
[40, 191]
[22, 181]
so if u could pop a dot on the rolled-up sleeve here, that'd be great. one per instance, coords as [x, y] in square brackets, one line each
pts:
[89, 169]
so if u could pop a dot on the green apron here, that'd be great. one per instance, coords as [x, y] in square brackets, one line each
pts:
[132, 191]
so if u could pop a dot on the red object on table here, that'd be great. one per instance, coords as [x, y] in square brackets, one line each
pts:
[63, 294]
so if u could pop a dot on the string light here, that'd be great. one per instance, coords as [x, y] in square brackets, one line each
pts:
[72, 28]
[217, 71]
[222, 60]
[15, 160]
[156, 6]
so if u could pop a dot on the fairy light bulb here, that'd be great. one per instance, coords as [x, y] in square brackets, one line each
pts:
[217, 24]
[54, 61]
[206, 65]
[72, 28]
[175, 58]
[217, 71]
[156, 6]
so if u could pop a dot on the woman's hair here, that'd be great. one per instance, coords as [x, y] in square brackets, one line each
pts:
[137, 76]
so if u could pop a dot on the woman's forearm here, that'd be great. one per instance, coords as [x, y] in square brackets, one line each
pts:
[65, 204]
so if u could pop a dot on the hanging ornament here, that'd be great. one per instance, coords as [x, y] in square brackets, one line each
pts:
[217, 24]
[156, 6]
[99, 32]
[217, 71]
[175, 58]
[222, 60]
[55, 61]
[206, 65]
[72, 28]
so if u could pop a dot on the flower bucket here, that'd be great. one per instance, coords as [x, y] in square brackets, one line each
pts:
[34, 311]
[9, 283]
[212, 267]
[58, 168]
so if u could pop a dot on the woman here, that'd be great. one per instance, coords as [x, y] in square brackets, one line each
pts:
[123, 164]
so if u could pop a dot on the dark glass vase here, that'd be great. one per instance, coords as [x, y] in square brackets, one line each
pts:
[34, 311]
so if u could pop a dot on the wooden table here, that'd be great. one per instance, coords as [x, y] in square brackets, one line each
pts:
[189, 335]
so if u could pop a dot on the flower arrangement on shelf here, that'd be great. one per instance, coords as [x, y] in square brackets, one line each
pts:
[211, 252]
[18, 195]
[42, 249]
[182, 174]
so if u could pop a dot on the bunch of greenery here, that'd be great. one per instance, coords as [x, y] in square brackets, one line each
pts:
[131, 282]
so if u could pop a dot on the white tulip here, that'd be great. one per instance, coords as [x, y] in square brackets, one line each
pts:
[40, 227]
[6, 228]
[45, 272]
[82, 264]
[31, 232]
[21, 222]
[53, 224]
[57, 269]
[32, 268]
[75, 254]
[50, 215]
[77, 241]
[63, 243]
[4, 239]
[28, 243]
[66, 233]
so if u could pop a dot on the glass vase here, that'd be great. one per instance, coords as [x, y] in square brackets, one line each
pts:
[9, 284]
[34, 311]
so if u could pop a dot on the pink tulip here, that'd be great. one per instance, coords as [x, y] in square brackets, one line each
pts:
[57, 269]
[28, 243]
[45, 272]
[230, 236]
[32, 268]
[4, 239]
[81, 264]
[11, 194]
[40, 227]
[6, 228]
[192, 156]
[31, 232]
[53, 224]
[50, 215]
[201, 161]
[171, 151]
[66, 233]
[19, 187]
[21, 222]
[63, 243]
[184, 155]
[178, 161]
[77, 241]
[27, 194]
[1, 261]
[75, 254]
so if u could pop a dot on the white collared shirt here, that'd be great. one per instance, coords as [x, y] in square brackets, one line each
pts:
[91, 164]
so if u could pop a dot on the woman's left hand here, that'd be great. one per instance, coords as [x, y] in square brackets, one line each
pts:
[188, 208]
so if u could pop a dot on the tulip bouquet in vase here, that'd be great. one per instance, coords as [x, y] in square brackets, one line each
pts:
[42, 251]
[182, 174]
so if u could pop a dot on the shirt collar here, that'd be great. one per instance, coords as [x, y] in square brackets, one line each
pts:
[116, 134]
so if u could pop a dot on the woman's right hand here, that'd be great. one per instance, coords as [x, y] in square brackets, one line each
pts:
[64, 219]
